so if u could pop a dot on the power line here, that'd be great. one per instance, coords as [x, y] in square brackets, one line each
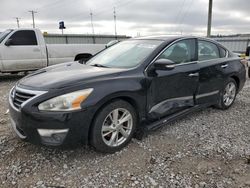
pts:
[185, 13]
[33, 17]
[102, 11]
[179, 13]
[17, 21]
[118, 5]
[98, 12]
[49, 5]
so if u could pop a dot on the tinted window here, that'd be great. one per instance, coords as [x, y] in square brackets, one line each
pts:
[180, 52]
[223, 52]
[207, 51]
[24, 38]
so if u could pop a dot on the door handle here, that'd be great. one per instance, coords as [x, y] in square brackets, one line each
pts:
[194, 74]
[224, 66]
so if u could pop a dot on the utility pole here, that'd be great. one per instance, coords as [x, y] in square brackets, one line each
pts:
[209, 22]
[17, 21]
[115, 23]
[91, 19]
[33, 17]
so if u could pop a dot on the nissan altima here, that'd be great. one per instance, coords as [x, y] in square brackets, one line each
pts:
[135, 85]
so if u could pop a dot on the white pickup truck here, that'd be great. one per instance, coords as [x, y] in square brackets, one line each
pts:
[24, 50]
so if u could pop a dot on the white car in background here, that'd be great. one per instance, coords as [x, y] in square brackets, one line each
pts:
[25, 50]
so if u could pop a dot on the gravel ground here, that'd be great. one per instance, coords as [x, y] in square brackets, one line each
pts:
[210, 148]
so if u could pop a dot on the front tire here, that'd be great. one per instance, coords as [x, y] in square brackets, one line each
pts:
[227, 95]
[113, 127]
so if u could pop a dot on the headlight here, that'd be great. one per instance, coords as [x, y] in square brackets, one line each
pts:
[67, 102]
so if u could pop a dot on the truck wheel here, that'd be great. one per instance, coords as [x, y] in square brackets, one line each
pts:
[227, 95]
[113, 127]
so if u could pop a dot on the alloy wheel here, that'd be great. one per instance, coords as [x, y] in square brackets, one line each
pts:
[229, 94]
[117, 127]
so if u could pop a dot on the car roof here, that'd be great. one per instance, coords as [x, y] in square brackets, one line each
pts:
[172, 38]
[163, 37]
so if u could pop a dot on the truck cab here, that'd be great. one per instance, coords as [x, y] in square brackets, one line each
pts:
[22, 50]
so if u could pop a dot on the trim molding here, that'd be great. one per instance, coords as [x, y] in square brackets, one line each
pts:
[170, 100]
[207, 94]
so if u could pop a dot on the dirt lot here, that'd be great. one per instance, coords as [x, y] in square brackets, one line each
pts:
[210, 148]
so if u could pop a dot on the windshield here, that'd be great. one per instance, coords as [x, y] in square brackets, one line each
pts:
[126, 54]
[4, 34]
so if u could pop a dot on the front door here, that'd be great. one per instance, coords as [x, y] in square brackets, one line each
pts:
[173, 90]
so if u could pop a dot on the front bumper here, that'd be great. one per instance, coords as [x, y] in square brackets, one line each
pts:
[51, 128]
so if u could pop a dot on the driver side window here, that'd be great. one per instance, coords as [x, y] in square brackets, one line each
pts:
[24, 38]
[180, 52]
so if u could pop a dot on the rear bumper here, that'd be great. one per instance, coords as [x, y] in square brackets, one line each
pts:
[53, 129]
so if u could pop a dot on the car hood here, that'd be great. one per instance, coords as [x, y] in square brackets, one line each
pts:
[65, 75]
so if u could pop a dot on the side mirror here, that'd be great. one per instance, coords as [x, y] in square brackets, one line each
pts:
[111, 43]
[8, 42]
[164, 64]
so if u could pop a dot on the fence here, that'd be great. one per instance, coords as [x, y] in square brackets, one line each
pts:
[235, 44]
[81, 39]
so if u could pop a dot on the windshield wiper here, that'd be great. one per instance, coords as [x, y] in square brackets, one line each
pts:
[99, 65]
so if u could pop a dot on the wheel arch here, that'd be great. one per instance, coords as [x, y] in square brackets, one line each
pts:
[109, 100]
[237, 80]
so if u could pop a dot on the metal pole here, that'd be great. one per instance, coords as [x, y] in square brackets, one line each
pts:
[91, 19]
[17, 21]
[209, 22]
[115, 23]
[33, 17]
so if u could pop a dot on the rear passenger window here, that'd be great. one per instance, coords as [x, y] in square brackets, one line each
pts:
[180, 52]
[23, 38]
[207, 50]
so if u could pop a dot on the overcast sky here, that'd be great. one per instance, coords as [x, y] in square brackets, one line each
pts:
[144, 17]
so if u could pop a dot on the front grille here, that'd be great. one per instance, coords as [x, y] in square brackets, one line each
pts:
[20, 97]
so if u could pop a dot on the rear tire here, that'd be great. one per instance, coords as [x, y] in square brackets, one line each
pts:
[113, 127]
[227, 94]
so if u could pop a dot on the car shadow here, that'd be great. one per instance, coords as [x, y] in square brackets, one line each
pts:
[10, 77]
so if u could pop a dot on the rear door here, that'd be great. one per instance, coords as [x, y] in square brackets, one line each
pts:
[23, 53]
[212, 63]
[173, 90]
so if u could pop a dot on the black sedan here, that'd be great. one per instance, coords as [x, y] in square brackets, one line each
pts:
[136, 85]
